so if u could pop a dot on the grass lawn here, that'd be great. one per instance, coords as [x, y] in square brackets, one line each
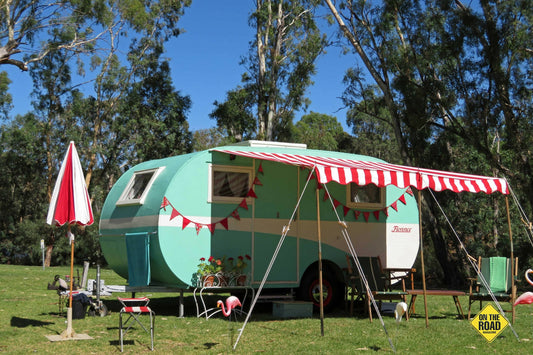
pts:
[29, 312]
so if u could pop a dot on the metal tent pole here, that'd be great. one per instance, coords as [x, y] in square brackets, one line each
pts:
[320, 263]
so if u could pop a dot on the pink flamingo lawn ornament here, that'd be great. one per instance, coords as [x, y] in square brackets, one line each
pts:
[231, 302]
[527, 297]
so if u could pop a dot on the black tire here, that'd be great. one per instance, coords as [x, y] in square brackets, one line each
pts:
[309, 290]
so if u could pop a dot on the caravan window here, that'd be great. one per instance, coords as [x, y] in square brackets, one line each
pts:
[229, 183]
[365, 196]
[137, 189]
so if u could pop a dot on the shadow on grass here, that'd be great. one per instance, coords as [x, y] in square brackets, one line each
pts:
[25, 322]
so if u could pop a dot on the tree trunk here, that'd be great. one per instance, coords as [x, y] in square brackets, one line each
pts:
[48, 255]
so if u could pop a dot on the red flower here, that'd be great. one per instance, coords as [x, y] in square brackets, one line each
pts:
[211, 259]
[202, 259]
[240, 257]
[248, 257]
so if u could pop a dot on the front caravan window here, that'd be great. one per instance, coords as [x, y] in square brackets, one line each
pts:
[229, 183]
[367, 196]
[137, 189]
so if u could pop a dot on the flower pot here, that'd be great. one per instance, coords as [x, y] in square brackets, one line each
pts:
[241, 280]
[208, 281]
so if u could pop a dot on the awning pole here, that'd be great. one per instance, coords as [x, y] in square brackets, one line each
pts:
[320, 263]
[513, 291]
[422, 256]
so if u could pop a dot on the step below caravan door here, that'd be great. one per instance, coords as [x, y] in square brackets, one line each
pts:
[138, 249]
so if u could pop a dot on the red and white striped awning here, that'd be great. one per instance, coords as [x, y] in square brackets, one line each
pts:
[360, 172]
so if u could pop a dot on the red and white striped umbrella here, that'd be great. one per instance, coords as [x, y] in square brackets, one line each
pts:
[70, 204]
[70, 201]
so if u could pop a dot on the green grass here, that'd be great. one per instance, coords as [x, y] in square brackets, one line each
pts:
[29, 312]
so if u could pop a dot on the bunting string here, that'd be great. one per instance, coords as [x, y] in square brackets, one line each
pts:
[224, 221]
[251, 194]
[366, 214]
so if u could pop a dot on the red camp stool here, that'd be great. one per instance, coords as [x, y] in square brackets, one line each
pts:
[135, 307]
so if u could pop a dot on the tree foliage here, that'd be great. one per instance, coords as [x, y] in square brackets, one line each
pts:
[279, 67]
[447, 79]
[318, 131]
[133, 112]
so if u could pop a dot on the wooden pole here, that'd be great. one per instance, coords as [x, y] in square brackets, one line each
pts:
[513, 291]
[422, 256]
[320, 264]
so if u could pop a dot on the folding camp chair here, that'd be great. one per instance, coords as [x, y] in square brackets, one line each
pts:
[379, 280]
[497, 271]
[135, 307]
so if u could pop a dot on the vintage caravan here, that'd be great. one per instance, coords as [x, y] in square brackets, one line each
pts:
[163, 216]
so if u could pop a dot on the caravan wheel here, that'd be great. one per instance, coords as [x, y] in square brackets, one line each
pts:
[310, 290]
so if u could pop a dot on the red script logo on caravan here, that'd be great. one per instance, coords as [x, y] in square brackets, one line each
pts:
[398, 229]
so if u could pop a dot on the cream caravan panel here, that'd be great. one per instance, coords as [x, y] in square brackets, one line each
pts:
[402, 245]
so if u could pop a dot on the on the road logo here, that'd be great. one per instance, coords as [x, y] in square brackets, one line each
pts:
[489, 323]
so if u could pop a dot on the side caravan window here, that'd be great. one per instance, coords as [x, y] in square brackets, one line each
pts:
[367, 196]
[229, 183]
[138, 187]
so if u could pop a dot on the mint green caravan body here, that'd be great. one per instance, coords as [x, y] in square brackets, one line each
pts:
[163, 216]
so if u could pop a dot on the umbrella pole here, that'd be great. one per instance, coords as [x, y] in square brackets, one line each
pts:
[69, 332]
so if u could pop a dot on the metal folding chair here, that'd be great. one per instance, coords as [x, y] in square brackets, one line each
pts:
[135, 307]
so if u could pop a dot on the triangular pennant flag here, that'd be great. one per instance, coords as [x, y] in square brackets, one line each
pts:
[336, 203]
[165, 203]
[198, 227]
[185, 223]
[366, 215]
[243, 204]
[346, 209]
[251, 193]
[260, 170]
[386, 211]
[376, 214]
[235, 214]
[395, 205]
[319, 186]
[409, 191]
[326, 195]
[174, 213]
[224, 223]
[402, 199]
[211, 227]
[257, 181]
[356, 214]
[311, 176]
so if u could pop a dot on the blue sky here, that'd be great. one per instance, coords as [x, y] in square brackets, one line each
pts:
[205, 63]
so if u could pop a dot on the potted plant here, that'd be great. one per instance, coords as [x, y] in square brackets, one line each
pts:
[208, 270]
[239, 267]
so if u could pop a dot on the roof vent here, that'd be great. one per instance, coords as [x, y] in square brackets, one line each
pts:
[262, 144]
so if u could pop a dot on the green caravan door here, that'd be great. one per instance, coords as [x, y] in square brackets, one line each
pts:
[138, 250]
[274, 206]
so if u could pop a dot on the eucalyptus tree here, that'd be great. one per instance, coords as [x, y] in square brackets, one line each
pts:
[26, 23]
[450, 78]
[318, 131]
[281, 62]
[6, 100]
[235, 115]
